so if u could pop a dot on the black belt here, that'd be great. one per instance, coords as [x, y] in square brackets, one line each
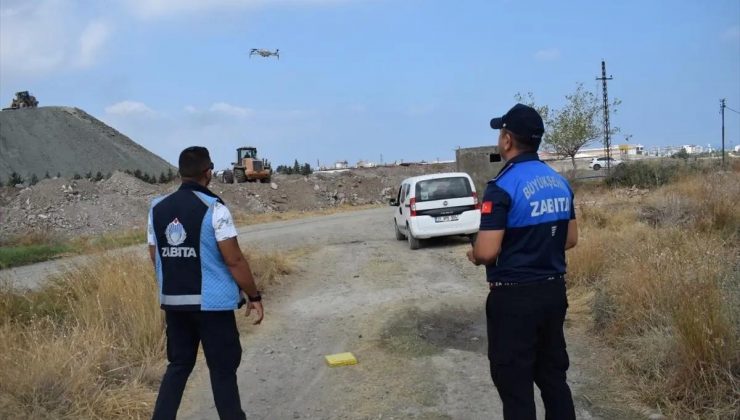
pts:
[495, 284]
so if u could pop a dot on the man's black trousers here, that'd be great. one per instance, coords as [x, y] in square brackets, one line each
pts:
[220, 337]
[526, 345]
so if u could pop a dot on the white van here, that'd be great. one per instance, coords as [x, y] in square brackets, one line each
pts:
[430, 206]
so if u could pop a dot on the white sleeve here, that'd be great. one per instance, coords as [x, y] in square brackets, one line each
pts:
[150, 229]
[223, 223]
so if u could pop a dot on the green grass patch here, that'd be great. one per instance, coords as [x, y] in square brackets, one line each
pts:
[13, 256]
[36, 248]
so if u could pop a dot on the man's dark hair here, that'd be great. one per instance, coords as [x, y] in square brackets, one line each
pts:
[524, 144]
[194, 161]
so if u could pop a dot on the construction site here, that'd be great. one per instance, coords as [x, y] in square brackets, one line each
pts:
[371, 235]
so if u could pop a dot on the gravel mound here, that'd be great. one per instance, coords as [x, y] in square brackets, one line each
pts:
[68, 208]
[67, 141]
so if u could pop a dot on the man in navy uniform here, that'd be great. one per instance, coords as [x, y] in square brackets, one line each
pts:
[202, 276]
[527, 223]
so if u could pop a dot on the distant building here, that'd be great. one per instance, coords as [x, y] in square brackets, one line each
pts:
[737, 149]
[341, 164]
[616, 150]
[365, 164]
[692, 149]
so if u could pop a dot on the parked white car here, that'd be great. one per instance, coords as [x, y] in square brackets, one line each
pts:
[436, 205]
[598, 163]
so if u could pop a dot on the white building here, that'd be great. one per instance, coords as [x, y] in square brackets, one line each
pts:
[693, 149]
[341, 164]
[616, 150]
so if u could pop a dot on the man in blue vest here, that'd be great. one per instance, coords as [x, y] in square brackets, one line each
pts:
[202, 277]
[527, 223]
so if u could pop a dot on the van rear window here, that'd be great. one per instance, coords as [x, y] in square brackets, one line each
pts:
[443, 189]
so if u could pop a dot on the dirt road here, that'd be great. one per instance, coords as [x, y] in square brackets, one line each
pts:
[414, 319]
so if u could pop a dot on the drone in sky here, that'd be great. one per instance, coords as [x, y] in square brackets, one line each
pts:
[264, 53]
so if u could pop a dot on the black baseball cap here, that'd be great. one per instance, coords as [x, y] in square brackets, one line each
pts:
[524, 121]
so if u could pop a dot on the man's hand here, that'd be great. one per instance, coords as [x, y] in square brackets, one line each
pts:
[471, 257]
[257, 306]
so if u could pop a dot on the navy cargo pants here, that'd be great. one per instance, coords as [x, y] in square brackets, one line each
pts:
[220, 337]
[526, 345]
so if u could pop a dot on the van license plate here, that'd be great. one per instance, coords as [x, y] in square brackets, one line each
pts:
[446, 218]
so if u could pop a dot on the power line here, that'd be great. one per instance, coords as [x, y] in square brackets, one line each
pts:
[722, 107]
[607, 142]
[727, 107]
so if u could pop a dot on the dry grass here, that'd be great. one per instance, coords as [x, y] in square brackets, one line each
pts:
[664, 273]
[91, 343]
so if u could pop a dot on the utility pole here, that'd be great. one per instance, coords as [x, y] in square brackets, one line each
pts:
[722, 107]
[607, 142]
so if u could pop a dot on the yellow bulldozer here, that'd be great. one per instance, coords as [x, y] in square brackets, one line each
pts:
[248, 167]
[23, 100]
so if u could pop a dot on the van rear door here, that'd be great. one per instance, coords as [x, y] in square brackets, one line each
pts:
[445, 198]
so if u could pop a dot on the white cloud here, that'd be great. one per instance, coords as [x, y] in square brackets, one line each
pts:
[231, 110]
[126, 108]
[163, 8]
[91, 40]
[42, 37]
[549, 54]
[732, 33]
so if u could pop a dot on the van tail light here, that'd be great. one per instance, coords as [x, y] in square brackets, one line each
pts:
[413, 206]
[475, 201]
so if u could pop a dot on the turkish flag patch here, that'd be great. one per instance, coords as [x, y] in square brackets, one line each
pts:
[487, 207]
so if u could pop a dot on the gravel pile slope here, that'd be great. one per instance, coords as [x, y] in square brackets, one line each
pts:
[67, 141]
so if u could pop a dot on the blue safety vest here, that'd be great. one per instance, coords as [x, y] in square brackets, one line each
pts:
[191, 272]
[534, 205]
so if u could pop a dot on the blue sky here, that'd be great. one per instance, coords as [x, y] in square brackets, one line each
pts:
[408, 79]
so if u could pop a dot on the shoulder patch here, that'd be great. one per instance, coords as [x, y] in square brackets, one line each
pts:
[487, 207]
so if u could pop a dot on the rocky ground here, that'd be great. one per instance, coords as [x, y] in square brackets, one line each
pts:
[67, 208]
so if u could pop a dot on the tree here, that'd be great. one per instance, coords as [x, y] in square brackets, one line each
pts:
[162, 178]
[98, 176]
[284, 169]
[34, 180]
[681, 154]
[46, 175]
[296, 167]
[89, 175]
[15, 179]
[306, 170]
[170, 175]
[577, 124]
[59, 174]
[76, 176]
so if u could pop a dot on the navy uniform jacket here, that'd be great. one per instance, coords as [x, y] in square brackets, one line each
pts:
[191, 272]
[534, 205]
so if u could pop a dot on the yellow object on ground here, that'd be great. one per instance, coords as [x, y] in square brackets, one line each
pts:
[341, 359]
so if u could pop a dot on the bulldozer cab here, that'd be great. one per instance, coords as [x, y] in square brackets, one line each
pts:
[23, 99]
[246, 153]
[248, 167]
